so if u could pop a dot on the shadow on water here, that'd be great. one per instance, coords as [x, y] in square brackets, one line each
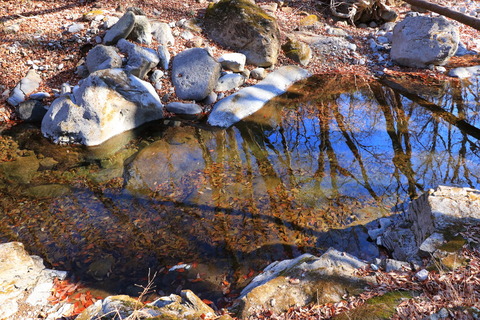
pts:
[302, 174]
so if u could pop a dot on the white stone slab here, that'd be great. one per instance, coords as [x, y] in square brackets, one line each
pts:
[245, 102]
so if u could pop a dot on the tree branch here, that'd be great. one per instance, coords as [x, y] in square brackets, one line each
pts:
[452, 14]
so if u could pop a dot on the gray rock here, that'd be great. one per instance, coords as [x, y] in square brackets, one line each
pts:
[233, 61]
[395, 265]
[110, 22]
[105, 104]
[382, 225]
[245, 27]
[326, 46]
[422, 275]
[230, 81]
[401, 243]
[431, 244]
[142, 30]
[76, 27]
[163, 33]
[122, 306]
[156, 75]
[140, 60]
[300, 281]
[245, 102]
[387, 27]
[136, 10]
[194, 74]
[121, 29]
[337, 32]
[211, 98]
[184, 108]
[102, 57]
[420, 41]
[31, 111]
[258, 73]
[187, 35]
[462, 50]
[164, 56]
[443, 208]
[39, 95]
[25, 87]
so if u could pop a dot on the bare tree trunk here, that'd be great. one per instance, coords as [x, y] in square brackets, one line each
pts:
[455, 15]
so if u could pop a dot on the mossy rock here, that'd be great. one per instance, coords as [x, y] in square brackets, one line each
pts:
[309, 21]
[377, 308]
[297, 51]
[242, 25]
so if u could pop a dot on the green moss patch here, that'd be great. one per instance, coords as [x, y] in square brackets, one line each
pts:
[381, 307]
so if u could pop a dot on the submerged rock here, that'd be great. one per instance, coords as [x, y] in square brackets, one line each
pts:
[245, 102]
[105, 104]
[21, 170]
[243, 26]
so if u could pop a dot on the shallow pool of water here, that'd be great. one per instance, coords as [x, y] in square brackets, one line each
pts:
[300, 175]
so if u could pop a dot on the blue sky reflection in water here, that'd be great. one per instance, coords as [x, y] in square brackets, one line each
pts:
[333, 153]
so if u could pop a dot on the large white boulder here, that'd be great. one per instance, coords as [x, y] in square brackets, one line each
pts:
[105, 104]
[421, 41]
[245, 102]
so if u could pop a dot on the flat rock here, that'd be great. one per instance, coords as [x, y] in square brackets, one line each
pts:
[230, 81]
[26, 86]
[233, 61]
[23, 278]
[300, 281]
[183, 108]
[245, 102]
[195, 74]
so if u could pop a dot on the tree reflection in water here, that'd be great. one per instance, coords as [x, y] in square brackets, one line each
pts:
[332, 153]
